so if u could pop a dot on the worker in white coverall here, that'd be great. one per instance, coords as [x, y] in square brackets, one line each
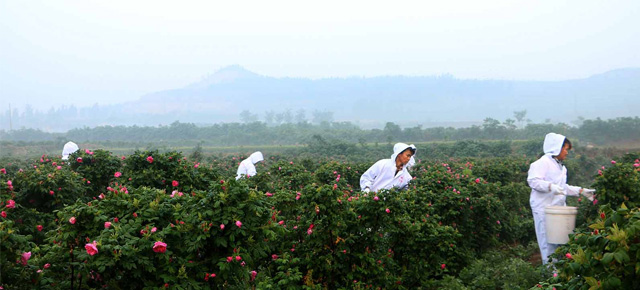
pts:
[548, 181]
[389, 173]
[68, 149]
[247, 167]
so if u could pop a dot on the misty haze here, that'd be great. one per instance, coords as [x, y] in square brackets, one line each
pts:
[288, 144]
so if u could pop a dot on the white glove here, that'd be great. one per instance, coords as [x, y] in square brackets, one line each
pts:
[588, 193]
[367, 190]
[556, 189]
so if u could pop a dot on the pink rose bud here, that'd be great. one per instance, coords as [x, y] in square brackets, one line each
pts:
[117, 174]
[568, 255]
[239, 224]
[387, 210]
[107, 225]
[376, 198]
[72, 220]
[39, 227]
[222, 226]
[443, 266]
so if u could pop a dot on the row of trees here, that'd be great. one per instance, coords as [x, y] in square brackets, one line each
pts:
[597, 131]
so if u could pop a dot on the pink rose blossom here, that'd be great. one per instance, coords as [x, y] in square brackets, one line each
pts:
[253, 275]
[443, 266]
[11, 204]
[239, 224]
[72, 220]
[51, 192]
[376, 198]
[47, 265]
[117, 174]
[269, 194]
[150, 159]
[613, 162]
[58, 167]
[107, 225]
[387, 210]
[229, 259]
[101, 196]
[174, 183]
[159, 247]
[92, 248]
[238, 258]
[25, 257]
[274, 257]
[568, 255]
[154, 229]
[477, 180]
[3, 171]
[3, 214]
[222, 226]
[39, 227]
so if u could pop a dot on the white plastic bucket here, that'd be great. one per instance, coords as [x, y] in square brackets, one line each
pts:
[559, 222]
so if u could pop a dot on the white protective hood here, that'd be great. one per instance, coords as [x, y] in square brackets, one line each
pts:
[398, 148]
[256, 157]
[553, 144]
[68, 149]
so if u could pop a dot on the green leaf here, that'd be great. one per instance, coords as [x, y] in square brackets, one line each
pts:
[607, 258]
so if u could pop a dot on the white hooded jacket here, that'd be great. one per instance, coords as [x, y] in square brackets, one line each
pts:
[68, 149]
[547, 170]
[247, 167]
[382, 174]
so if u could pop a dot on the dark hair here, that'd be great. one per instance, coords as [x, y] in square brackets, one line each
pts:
[566, 141]
[413, 150]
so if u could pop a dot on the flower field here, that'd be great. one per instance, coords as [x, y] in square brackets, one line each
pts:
[159, 220]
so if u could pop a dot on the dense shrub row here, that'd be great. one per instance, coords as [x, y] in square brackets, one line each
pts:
[155, 219]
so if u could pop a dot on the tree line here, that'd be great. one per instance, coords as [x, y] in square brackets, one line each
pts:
[597, 131]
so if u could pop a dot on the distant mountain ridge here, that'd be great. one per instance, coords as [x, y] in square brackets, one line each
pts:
[430, 101]
[410, 100]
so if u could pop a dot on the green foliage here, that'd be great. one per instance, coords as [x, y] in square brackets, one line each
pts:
[605, 255]
[305, 224]
[619, 183]
[49, 185]
[500, 270]
[99, 167]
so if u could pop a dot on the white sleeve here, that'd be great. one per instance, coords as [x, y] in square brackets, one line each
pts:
[572, 190]
[251, 169]
[242, 170]
[535, 177]
[367, 178]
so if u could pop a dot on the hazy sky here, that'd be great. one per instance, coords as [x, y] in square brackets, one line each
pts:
[85, 52]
